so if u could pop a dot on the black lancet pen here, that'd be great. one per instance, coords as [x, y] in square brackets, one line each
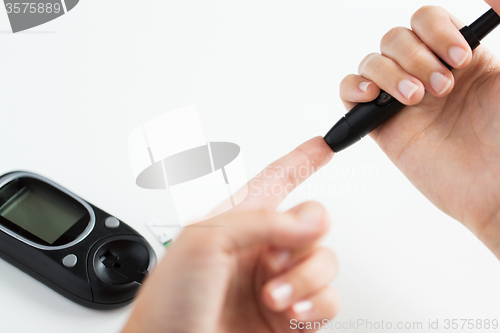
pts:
[365, 117]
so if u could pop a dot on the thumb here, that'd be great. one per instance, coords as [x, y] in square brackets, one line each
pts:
[298, 227]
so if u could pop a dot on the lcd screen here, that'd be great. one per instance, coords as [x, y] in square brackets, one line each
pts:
[40, 209]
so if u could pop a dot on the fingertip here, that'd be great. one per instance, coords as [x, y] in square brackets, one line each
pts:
[369, 90]
[460, 56]
[410, 91]
[357, 89]
[318, 152]
[324, 305]
[363, 86]
[347, 85]
[267, 298]
[301, 310]
[277, 296]
[277, 259]
[441, 84]
[313, 216]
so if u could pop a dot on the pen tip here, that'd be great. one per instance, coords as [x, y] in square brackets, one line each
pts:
[341, 136]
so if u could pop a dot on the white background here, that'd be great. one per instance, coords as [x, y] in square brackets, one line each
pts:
[263, 74]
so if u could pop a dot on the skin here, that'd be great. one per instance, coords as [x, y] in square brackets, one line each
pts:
[222, 278]
[447, 143]
[495, 4]
[221, 275]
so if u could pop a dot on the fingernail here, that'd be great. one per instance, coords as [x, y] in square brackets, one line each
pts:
[278, 258]
[363, 86]
[458, 55]
[281, 295]
[440, 83]
[302, 307]
[407, 88]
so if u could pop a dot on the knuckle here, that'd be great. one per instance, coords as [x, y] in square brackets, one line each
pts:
[345, 85]
[346, 81]
[416, 59]
[367, 62]
[419, 54]
[422, 12]
[425, 12]
[391, 36]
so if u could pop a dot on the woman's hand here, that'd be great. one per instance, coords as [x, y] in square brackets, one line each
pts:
[447, 142]
[250, 269]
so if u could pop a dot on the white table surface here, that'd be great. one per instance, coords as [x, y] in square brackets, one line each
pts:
[263, 74]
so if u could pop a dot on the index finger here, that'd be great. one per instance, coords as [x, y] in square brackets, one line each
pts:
[270, 187]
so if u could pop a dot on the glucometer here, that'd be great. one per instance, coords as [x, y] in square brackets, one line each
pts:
[75, 248]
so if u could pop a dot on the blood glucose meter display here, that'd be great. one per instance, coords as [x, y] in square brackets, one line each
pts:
[34, 210]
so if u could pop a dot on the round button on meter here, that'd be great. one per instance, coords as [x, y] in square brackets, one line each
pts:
[70, 261]
[112, 222]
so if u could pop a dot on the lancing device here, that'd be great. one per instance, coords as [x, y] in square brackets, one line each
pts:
[365, 117]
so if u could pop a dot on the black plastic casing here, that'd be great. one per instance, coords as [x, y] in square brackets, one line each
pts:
[360, 121]
[88, 283]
